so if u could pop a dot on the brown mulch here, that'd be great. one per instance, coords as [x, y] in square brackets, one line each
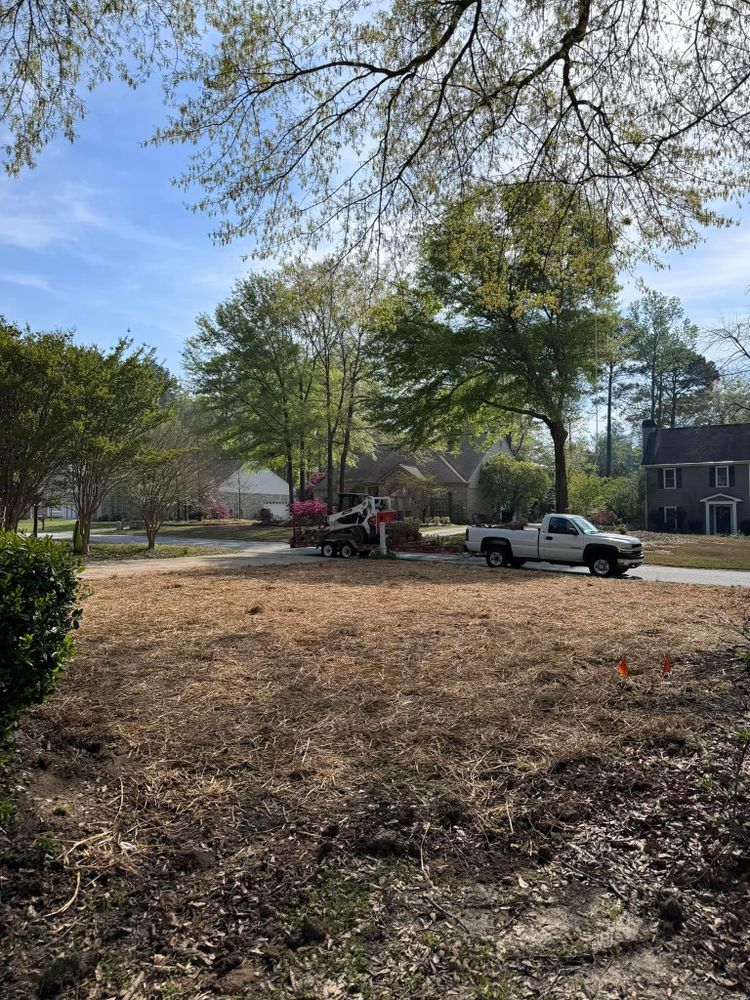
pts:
[383, 780]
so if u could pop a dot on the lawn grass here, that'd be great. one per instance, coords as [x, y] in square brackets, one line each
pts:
[105, 551]
[232, 530]
[383, 780]
[58, 524]
[696, 551]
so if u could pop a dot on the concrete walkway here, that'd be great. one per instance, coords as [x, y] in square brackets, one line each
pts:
[279, 554]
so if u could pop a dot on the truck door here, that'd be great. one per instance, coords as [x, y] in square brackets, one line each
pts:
[561, 542]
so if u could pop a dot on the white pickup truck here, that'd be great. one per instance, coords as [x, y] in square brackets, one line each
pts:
[565, 539]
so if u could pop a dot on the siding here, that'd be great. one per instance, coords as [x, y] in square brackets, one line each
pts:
[696, 484]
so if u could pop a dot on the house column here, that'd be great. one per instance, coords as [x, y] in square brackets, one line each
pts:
[708, 518]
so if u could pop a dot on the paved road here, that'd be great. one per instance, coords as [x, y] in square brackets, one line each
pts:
[278, 553]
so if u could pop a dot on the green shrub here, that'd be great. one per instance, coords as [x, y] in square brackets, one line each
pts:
[400, 532]
[38, 611]
[587, 493]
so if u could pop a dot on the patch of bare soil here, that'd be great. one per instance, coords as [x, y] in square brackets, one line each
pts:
[383, 780]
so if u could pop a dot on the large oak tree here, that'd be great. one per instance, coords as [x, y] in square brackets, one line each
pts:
[504, 318]
[355, 115]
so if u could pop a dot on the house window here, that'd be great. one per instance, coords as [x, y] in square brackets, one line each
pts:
[670, 482]
[722, 475]
[670, 518]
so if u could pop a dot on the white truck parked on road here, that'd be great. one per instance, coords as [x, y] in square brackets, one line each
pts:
[565, 539]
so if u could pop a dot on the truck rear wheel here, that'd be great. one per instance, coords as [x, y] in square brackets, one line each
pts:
[602, 565]
[497, 557]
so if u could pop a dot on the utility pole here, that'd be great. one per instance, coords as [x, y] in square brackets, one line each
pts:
[608, 455]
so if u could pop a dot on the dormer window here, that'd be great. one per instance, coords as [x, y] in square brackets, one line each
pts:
[722, 475]
[670, 479]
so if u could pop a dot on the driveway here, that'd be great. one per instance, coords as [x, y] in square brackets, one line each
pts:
[278, 553]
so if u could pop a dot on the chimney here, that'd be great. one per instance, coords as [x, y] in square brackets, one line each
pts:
[648, 427]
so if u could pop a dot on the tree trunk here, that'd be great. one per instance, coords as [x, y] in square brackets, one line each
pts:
[11, 517]
[608, 458]
[14, 507]
[329, 471]
[559, 437]
[290, 472]
[84, 527]
[345, 444]
[151, 533]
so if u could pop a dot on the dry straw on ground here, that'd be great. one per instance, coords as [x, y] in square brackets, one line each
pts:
[237, 715]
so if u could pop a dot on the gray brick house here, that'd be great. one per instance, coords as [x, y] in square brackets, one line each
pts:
[697, 478]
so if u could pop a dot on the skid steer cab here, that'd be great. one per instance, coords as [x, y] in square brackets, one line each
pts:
[354, 530]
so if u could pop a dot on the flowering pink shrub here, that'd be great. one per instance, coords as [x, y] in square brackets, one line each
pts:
[308, 510]
[218, 511]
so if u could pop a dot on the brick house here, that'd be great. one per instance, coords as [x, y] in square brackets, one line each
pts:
[243, 491]
[697, 478]
[386, 472]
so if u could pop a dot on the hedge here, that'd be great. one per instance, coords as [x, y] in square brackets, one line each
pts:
[38, 612]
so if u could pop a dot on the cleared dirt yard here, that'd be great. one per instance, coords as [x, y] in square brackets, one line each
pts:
[383, 780]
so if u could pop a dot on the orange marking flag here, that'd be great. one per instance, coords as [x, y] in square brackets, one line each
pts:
[622, 668]
[666, 667]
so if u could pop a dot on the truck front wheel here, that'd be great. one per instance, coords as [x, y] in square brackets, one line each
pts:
[602, 565]
[495, 558]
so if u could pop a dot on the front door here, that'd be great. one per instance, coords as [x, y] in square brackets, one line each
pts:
[723, 516]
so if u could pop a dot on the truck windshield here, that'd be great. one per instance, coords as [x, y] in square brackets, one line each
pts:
[585, 526]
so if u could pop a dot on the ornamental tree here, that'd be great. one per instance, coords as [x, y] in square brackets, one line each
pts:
[513, 486]
[33, 421]
[114, 399]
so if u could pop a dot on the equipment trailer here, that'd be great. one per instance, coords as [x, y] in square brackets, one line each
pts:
[354, 530]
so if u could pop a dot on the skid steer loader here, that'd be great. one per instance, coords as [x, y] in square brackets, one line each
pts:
[355, 528]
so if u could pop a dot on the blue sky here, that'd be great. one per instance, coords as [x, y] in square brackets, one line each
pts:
[97, 238]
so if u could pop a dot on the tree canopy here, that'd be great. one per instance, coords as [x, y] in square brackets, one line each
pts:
[113, 400]
[281, 366]
[672, 377]
[51, 52]
[310, 115]
[32, 417]
[503, 319]
[512, 485]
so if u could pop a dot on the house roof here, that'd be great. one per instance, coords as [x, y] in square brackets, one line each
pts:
[262, 481]
[444, 466]
[694, 445]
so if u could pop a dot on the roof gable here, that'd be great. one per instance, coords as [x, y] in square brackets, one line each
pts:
[447, 467]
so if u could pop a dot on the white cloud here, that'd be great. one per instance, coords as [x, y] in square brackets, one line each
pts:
[25, 280]
[18, 229]
[34, 220]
